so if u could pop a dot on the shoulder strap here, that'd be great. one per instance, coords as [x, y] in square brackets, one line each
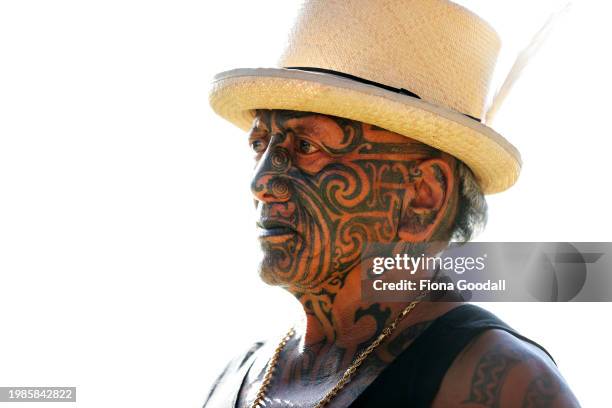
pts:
[224, 391]
[415, 376]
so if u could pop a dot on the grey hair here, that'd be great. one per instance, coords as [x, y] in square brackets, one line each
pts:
[471, 215]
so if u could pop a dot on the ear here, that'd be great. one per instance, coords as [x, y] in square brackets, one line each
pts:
[426, 200]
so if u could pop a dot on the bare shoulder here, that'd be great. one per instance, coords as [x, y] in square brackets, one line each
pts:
[500, 370]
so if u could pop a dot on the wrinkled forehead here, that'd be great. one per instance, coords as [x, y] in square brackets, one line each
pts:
[329, 130]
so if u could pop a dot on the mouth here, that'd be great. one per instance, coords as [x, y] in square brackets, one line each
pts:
[273, 228]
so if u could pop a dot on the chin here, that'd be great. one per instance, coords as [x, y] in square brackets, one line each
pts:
[270, 270]
[280, 265]
[268, 276]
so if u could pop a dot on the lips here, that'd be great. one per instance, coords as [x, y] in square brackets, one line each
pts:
[271, 228]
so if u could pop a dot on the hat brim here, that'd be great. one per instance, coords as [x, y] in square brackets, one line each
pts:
[236, 94]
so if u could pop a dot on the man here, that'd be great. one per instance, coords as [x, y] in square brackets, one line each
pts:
[370, 135]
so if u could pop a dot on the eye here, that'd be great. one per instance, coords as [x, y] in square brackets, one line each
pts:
[305, 147]
[258, 145]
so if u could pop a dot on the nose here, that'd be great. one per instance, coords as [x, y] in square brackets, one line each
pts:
[270, 182]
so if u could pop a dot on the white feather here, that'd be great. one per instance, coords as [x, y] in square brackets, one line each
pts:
[520, 63]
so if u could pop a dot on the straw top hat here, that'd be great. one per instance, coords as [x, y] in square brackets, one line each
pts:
[420, 68]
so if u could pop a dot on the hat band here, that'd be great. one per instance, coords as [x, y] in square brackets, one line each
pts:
[402, 91]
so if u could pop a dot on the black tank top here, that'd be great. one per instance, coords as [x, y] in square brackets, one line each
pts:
[414, 377]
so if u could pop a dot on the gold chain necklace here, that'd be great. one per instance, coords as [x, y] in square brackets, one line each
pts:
[348, 374]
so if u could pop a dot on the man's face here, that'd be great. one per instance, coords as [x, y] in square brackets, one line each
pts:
[326, 187]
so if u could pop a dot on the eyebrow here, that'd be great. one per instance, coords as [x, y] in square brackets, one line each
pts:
[303, 128]
[304, 125]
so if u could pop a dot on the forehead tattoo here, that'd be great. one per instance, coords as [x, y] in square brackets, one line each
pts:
[377, 141]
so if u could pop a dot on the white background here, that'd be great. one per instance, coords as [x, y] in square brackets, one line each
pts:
[126, 254]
